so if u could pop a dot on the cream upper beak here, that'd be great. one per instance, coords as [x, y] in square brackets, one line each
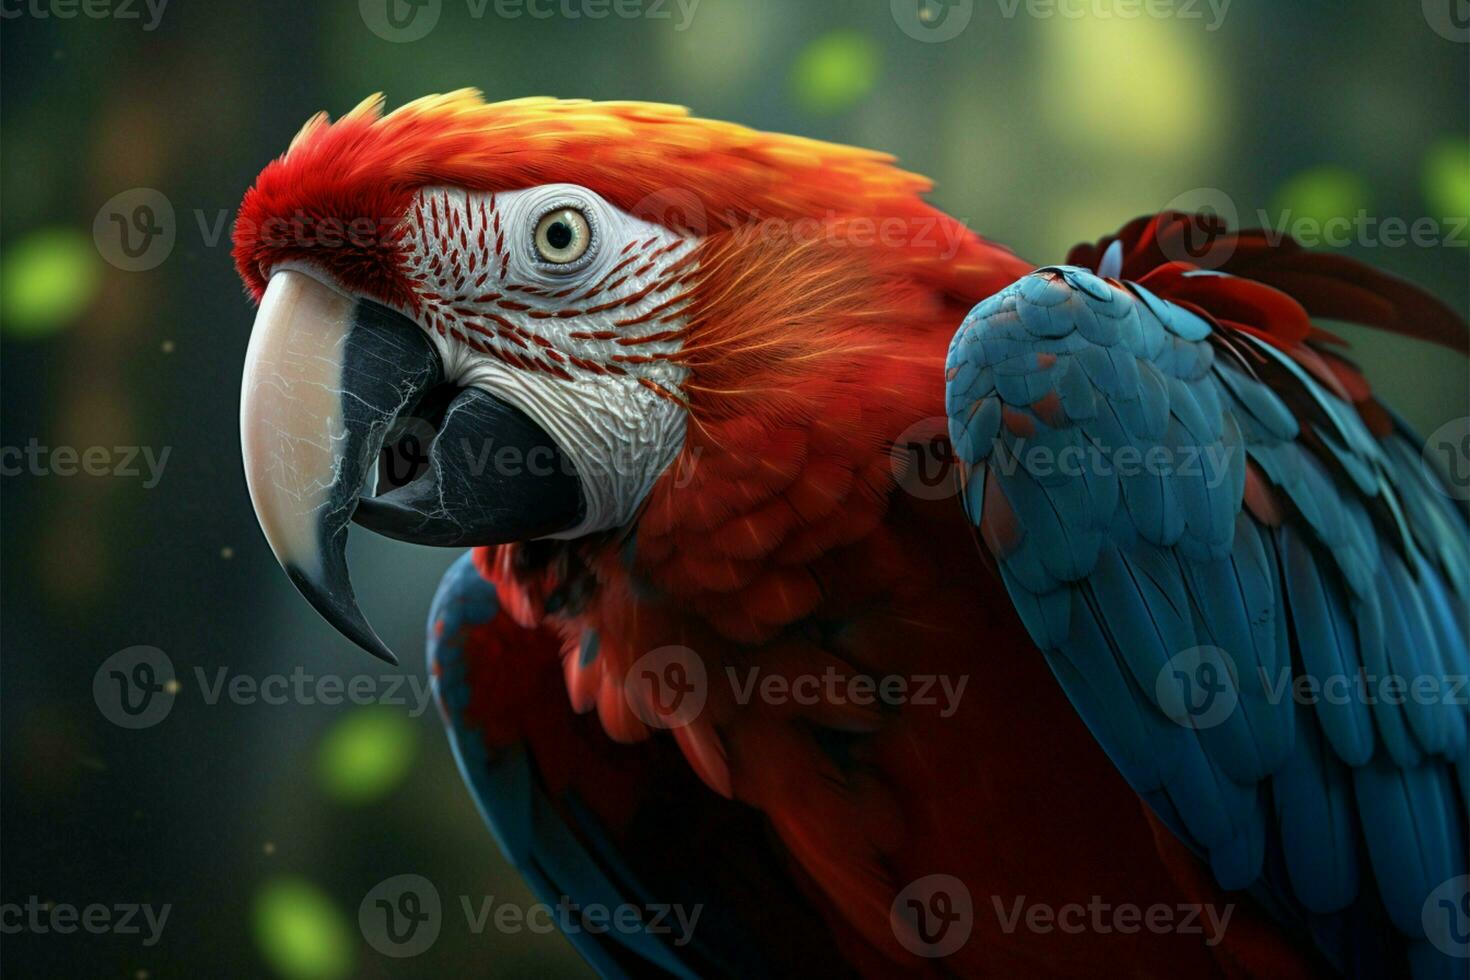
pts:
[290, 412]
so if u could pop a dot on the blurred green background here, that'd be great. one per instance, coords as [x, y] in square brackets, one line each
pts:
[263, 826]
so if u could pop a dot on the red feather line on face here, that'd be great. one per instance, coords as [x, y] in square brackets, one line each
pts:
[455, 296]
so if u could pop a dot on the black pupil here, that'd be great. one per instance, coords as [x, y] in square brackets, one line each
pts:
[559, 235]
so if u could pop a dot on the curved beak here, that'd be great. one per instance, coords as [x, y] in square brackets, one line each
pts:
[328, 382]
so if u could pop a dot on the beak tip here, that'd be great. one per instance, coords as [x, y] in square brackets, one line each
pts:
[340, 609]
[375, 646]
[385, 655]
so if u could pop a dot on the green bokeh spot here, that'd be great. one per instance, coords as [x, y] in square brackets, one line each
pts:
[1321, 194]
[366, 754]
[46, 280]
[835, 72]
[1447, 181]
[300, 933]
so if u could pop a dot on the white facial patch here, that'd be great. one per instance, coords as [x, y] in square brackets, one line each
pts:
[585, 348]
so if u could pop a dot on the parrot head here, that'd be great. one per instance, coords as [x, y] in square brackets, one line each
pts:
[570, 295]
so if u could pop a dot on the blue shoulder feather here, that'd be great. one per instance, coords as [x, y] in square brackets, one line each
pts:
[1185, 632]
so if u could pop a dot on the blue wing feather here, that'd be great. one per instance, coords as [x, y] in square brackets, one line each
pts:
[553, 861]
[1319, 824]
[1119, 571]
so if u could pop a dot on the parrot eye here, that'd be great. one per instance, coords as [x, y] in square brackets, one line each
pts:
[563, 236]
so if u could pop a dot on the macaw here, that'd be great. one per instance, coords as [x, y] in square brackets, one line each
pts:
[673, 370]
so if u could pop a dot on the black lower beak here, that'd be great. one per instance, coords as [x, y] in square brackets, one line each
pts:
[493, 476]
[327, 379]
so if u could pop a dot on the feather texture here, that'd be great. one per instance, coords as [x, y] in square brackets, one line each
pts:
[1267, 535]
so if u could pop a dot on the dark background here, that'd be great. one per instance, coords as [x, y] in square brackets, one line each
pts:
[263, 826]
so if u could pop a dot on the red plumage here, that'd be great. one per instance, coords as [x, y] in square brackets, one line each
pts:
[781, 540]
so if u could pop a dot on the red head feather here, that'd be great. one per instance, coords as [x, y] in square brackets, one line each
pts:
[656, 161]
[826, 293]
